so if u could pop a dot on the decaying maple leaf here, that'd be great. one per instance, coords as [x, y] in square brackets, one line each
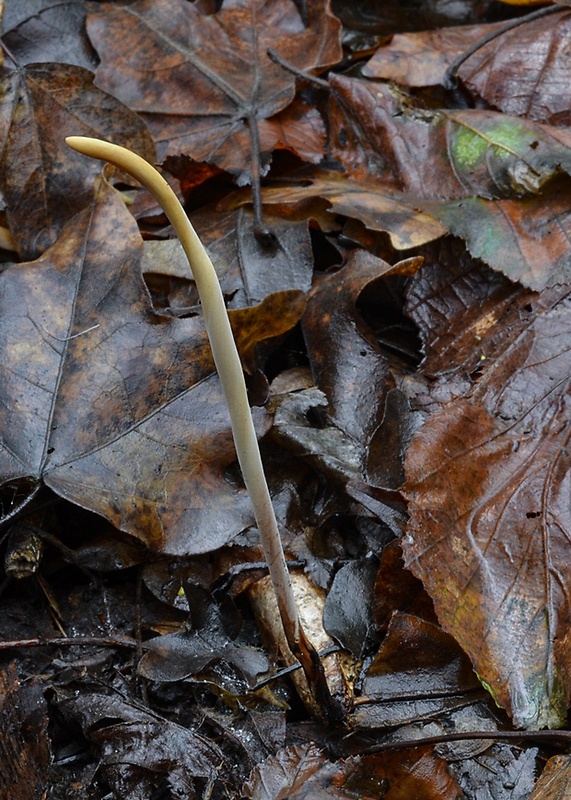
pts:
[43, 185]
[205, 83]
[112, 406]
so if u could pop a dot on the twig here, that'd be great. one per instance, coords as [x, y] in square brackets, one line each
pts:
[71, 641]
[546, 737]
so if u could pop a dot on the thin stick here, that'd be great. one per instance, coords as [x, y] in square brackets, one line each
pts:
[231, 376]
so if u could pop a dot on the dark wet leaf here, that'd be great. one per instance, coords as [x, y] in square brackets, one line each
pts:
[43, 181]
[325, 447]
[418, 672]
[139, 749]
[445, 154]
[282, 775]
[480, 162]
[347, 612]
[345, 358]
[385, 464]
[379, 209]
[465, 315]
[488, 489]
[524, 71]
[106, 402]
[248, 272]
[421, 59]
[47, 30]
[499, 773]
[212, 86]
[25, 748]
[527, 239]
[178, 655]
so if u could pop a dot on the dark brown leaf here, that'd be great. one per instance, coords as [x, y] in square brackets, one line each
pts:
[43, 181]
[444, 154]
[138, 748]
[47, 30]
[106, 401]
[421, 59]
[488, 485]
[24, 745]
[205, 82]
[388, 211]
[418, 672]
[345, 359]
[479, 161]
[555, 780]
[524, 72]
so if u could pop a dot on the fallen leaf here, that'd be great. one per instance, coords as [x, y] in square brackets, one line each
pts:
[443, 154]
[139, 748]
[365, 200]
[211, 90]
[554, 781]
[175, 656]
[421, 59]
[105, 401]
[25, 745]
[418, 672]
[280, 775]
[345, 358]
[43, 181]
[480, 162]
[524, 71]
[347, 612]
[488, 488]
[528, 240]
[37, 31]
[247, 272]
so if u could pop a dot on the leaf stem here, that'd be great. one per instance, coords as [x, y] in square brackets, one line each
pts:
[231, 377]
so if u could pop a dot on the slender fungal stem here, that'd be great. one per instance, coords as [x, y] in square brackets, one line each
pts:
[231, 376]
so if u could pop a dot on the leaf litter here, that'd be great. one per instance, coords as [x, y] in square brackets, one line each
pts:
[115, 442]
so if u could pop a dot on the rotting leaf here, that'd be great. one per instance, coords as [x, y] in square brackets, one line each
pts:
[442, 154]
[115, 408]
[347, 612]
[488, 481]
[138, 748]
[524, 71]
[392, 776]
[283, 774]
[421, 59]
[527, 239]
[25, 745]
[176, 656]
[389, 211]
[205, 82]
[466, 169]
[418, 672]
[345, 359]
[554, 781]
[47, 30]
[43, 181]
[248, 273]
